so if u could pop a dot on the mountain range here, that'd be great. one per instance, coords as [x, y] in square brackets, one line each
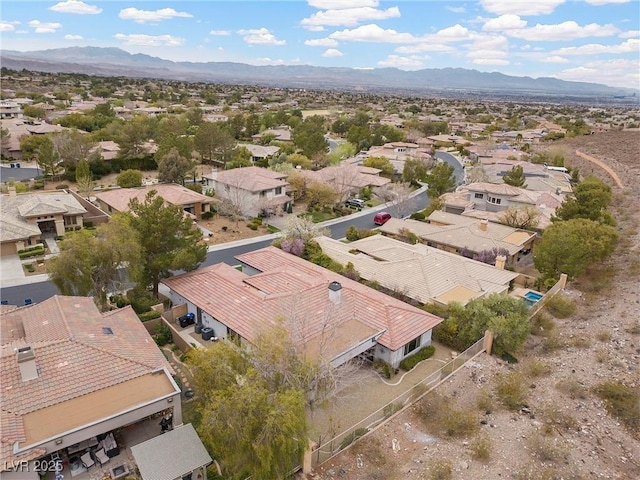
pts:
[452, 81]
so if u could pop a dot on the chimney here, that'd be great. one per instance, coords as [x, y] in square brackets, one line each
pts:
[501, 261]
[483, 225]
[335, 294]
[27, 364]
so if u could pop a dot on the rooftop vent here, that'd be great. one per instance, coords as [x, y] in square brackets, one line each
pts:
[107, 330]
[335, 292]
[27, 363]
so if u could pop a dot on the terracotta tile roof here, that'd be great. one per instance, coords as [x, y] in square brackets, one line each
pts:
[173, 194]
[296, 291]
[74, 356]
[252, 179]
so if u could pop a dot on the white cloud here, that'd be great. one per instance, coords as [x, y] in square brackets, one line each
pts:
[605, 2]
[373, 33]
[260, 36]
[266, 61]
[44, 27]
[332, 53]
[456, 9]
[630, 46]
[490, 61]
[453, 34]
[403, 63]
[76, 6]
[569, 30]
[348, 16]
[150, 40]
[618, 73]
[424, 47]
[340, 4]
[630, 34]
[73, 37]
[504, 22]
[554, 59]
[152, 16]
[539, 7]
[8, 26]
[321, 42]
[220, 33]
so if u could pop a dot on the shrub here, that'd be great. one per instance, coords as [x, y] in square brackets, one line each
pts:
[555, 419]
[440, 470]
[31, 252]
[252, 226]
[352, 233]
[537, 368]
[560, 306]
[141, 300]
[545, 450]
[511, 390]
[572, 388]
[352, 437]
[62, 186]
[622, 402]
[423, 354]
[418, 216]
[542, 324]
[391, 408]
[150, 315]
[459, 422]
[207, 215]
[162, 335]
[446, 418]
[484, 401]
[38, 185]
[481, 448]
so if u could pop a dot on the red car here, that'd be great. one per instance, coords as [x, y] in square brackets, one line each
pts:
[381, 218]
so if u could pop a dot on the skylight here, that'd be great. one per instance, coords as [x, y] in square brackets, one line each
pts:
[107, 331]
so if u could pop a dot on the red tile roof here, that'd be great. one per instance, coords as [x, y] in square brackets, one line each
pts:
[295, 290]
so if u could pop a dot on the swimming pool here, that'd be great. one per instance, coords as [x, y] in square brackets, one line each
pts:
[533, 296]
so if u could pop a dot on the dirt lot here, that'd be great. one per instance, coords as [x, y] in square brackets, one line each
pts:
[225, 230]
[565, 430]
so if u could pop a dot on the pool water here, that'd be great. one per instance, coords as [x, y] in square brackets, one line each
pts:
[533, 296]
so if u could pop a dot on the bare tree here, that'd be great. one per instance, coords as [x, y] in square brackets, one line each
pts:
[398, 195]
[521, 217]
[344, 179]
[476, 174]
[302, 228]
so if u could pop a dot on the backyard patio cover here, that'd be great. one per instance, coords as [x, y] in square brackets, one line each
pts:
[171, 455]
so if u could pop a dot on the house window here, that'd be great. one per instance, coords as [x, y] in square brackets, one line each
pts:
[278, 190]
[412, 345]
[479, 195]
[494, 200]
[233, 336]
[263, 194]
[188, 476]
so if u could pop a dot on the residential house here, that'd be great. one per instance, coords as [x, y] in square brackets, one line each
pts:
[251, 190]
[463, 235]
[260, 152]
[9, 109]
[489, 200]
[18, 127]
[327, 315]
[117, 199]
[396, 153]
[72, 375]
[347, 179]
[26, 217]
[420, 272]
[281, 133]
[157, 458]
[537, 176]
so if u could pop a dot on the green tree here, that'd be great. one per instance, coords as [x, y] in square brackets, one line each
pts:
[381, 163]
[590, 199]
[571, 246]
[321, 194]
[5, 138]
[414, 170]
[34, 112]
[129, 178]
[84, 178]
[515, 177]
[174, 168]
[30, 144]
[254, 422]
[440, 180]
[170, 241]
[89, 262]
[132, 137]
[213, 141]
[241, 158]
[48, 159]
[309, 136]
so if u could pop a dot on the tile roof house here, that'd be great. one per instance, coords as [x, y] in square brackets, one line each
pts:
[260, 152]
[252, 190]
[281, 134]
[117, 200]
[327, 315]
[26, 217]
[422, 273]
[489, 200]
[70, 373]
[346, 178]
[464, 235]
[537, 176]
[396, 153]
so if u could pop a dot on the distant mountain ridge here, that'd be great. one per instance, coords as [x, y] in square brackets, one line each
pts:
[117, 62]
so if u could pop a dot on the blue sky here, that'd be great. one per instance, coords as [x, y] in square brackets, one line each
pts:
[582, 40]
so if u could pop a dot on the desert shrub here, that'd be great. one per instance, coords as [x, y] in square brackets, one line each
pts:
[417, 216]
[511, 390]
[383, 368]
[440, 469]
[352, 233]
[537, 368]
[459, 422]
[572, 388]
[484, 401]
[555, 420]
[602, 355]
[207, 215]
[622, 402]
[252, 226]
[391, 408]
[546, 450]
[560, 306]
[537, 472]
[604, 335]
[352, 437]
[542, 324]
[443, 416]
[481, 448]
[38, 185]
[62, 186]
[150, 315]
[552, 343]
[580, 341]
[423, 354]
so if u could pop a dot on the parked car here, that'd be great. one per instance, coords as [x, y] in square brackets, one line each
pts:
[356, 202]
[381, 218]
[186, 320]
